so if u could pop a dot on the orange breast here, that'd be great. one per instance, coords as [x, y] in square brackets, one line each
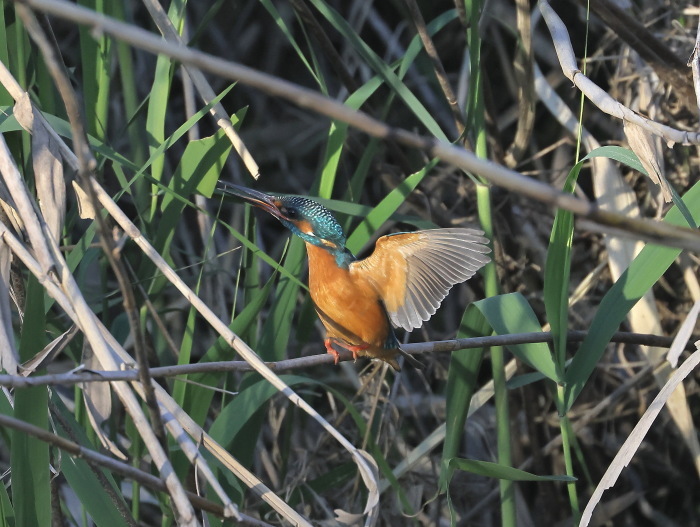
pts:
[347, 304]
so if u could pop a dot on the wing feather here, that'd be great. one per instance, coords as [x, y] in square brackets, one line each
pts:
[413, 272]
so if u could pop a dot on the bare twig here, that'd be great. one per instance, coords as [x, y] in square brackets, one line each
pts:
[324, 359]
[440, 72]
[231, 339]
[567, 60]
[334, 59]
[68, 302]
[633, 441]
[116, 466]
[111, 353]
[73, 303]
[659, 232]
[524, 75]
[666, 64]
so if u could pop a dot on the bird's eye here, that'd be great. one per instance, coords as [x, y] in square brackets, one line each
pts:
[289, 212]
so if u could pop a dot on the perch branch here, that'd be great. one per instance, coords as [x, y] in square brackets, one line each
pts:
[323, 359]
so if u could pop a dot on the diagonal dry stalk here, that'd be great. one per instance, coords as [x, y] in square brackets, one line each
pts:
[206, 92]
[119, 467]
[60, 283]
[635, 438]
[657, 232]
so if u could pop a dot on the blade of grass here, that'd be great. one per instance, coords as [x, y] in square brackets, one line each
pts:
[383, 211]
[5, 97]
[279, 20]
[135, 125]
[381, 68]
[511, 313]
[476, 128]
[643, 273]
[95, 64]
[158, 109]
[7, 513]
[197, 401]
[494, 470]
[82, 479]
[461, 384]
[29, 457]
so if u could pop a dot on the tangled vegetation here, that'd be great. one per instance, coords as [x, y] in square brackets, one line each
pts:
[162, 361]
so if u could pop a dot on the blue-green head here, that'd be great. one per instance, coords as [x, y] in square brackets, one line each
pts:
[309, 220]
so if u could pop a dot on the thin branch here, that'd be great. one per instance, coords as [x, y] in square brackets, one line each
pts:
[334, 59]
[324, 359]
[118, 467]
[231, 339]
[119, 503]
[116, 354]
[112, 355]
[665, 63]
[524, 75]
[599, 97]
[637, 435]
[440, 72]
[658, 232]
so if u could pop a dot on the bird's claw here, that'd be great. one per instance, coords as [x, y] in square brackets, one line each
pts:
[331, 350]
[355, 350]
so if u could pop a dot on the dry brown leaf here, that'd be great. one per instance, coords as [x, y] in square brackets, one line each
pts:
[347, 519]
[98, 401]
[85, 208]
[48, 169]
[46, 355]
[10, 209]
[646, 147]
[683, 335]
[613, 193]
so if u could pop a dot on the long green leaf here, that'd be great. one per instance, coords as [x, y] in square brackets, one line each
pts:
[380, 67]
[512, 314]
[557, 270]
[461, 384]
[494, 470]
[31, 489]
[82, 479]
[644, 271]
[383, 211]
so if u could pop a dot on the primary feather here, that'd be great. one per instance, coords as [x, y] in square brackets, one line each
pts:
[413, 272]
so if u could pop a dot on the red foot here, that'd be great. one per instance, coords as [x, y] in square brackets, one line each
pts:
[330, 349]
[354, 349]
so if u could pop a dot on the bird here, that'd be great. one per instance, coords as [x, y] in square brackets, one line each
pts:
[400, 285]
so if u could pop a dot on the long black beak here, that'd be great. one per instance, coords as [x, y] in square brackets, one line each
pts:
[254, 197]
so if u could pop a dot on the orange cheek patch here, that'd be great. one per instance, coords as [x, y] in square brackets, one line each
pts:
[304, 226]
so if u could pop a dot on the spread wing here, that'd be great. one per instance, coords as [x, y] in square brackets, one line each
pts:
[413, 272]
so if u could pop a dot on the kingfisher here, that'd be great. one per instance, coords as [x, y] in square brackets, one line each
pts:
[401, 284]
